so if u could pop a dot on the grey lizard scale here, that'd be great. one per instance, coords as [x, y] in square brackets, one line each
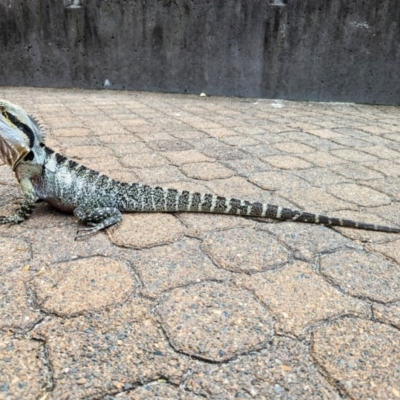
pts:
[98, 200]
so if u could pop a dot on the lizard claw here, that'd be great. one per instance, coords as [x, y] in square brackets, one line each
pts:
[14, 219]
[87, 231]
[81, 233]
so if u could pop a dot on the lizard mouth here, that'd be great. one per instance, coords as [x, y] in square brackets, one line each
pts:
[18, 160]
[11, 155]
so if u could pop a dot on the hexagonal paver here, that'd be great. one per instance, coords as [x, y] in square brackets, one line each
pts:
[247, 166]
[14, 253]
[21, 366]
[178, 264]
[363, 357]
[15, 311]
[307, 240]
[281, 371]
[168, 146]
[79, 286]
[206, 171]
[100, 354]
[213, 148]
[185, 157]
[143, 230]
[214, 321]
[361, 195]
[143, 160]
[363, 274]
[245, 250]
[299, 298]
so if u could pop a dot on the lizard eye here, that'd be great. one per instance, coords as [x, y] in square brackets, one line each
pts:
[2, 109]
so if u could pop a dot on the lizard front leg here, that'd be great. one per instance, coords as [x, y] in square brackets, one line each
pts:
[97, 218]
[26, 208]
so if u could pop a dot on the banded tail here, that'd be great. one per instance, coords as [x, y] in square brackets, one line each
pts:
[153, 198]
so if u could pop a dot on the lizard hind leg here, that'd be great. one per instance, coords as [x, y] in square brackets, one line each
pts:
[97, 218]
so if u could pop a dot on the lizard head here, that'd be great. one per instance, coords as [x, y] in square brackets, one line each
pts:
[20, 134]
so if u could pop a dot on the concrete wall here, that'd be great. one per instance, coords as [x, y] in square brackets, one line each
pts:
[332, 50]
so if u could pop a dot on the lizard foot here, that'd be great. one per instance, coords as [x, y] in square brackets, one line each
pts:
[83, 232]
[13, 219]
[97, 219]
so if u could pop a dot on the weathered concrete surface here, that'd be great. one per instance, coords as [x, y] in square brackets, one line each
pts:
[310, 49]
[192, 306]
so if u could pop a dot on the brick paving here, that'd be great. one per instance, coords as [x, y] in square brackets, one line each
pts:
[190, 306]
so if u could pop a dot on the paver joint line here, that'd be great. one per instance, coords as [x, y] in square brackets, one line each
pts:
[202, 302]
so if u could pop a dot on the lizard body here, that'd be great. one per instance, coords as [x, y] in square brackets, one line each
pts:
[98, 200]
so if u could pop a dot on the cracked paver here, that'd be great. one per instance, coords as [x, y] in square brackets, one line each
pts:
[191, 306]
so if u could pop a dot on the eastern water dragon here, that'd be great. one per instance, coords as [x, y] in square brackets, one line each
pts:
[97, 200]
